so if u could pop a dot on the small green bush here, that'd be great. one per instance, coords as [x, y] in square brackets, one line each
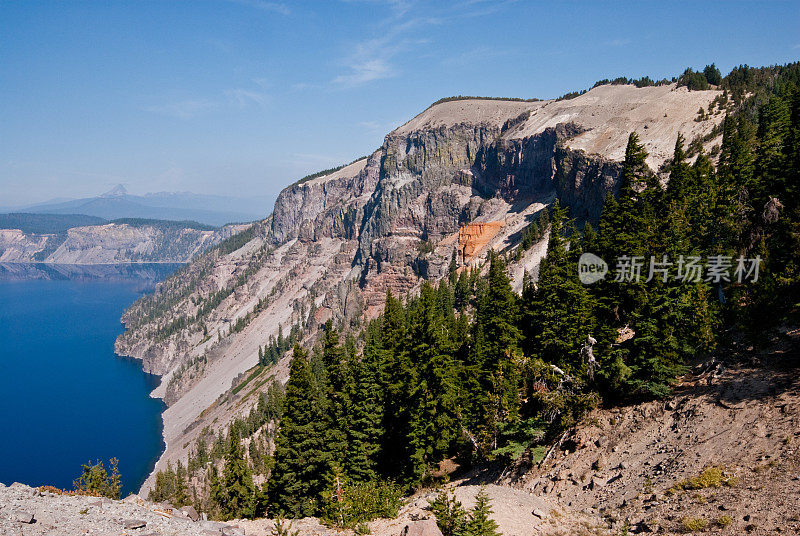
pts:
[712, 476]
[424, 247]
[95, 480]
[352, 505]
[724, 521]
[694, 524]
[281, 528]
[454, 520]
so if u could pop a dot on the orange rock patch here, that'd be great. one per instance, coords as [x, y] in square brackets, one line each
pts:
[473, 238]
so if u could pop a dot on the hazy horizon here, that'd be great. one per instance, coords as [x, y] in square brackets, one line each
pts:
[161, 193]
[242, 97]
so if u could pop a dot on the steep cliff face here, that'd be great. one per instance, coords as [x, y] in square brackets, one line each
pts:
[334, 244]
[111, 243]
[322, 206]
[16, 246]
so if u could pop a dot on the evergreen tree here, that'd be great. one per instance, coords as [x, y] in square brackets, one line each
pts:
[398, 378]
[338, 383]
[452, 270]
[450, 515]
[366, 414]
[712, 74]
[492, 373]
[96, 480]
[589, 242]
[300, 455]
[433, 419]
[462, 292]
[216, 492]
[480, 524]
[558, 313]
[238, 496]
[181, 488]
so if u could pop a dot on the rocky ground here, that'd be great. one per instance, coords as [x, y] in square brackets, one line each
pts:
[722, 456]
[26, 511]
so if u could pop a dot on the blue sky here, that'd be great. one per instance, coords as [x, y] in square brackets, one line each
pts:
[241, 97]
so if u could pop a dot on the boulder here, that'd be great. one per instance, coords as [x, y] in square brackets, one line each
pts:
[131, 524]
[539, 513]
[132, 499]
[424, 527]
[21, 516]
[45, 519]
[190, 513]
[597, 482]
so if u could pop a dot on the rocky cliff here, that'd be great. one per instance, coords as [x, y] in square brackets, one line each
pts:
[111, 243]
[334, 244]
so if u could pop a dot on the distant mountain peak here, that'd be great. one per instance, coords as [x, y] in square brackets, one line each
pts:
[117, 191]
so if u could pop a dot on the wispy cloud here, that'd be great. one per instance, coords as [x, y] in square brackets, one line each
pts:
[618, 42]
[401, 31]
[366, 70]
[274, 7]
[372, 59]
[185, 109]
[369, 125]
[239, 97]
[244, 97]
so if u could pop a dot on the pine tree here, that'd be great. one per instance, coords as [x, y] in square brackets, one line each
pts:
[480, 524]
[399, 377]
[678, 171]
[94, 479]
[627, 223]
[735, 172]
[589, 240]
[216, 492]
[462, 293]
[452, 270]
[770, 159]
[366, 413]
[491, 374]
[181, 486]
[301, 460]
[238, 493]
[558, 313]
[338, 381]
[450, 515]
[433, 418]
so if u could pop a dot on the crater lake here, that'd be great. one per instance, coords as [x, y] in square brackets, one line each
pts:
[65, 397]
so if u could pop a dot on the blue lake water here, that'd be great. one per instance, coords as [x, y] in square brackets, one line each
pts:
[65, 397]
